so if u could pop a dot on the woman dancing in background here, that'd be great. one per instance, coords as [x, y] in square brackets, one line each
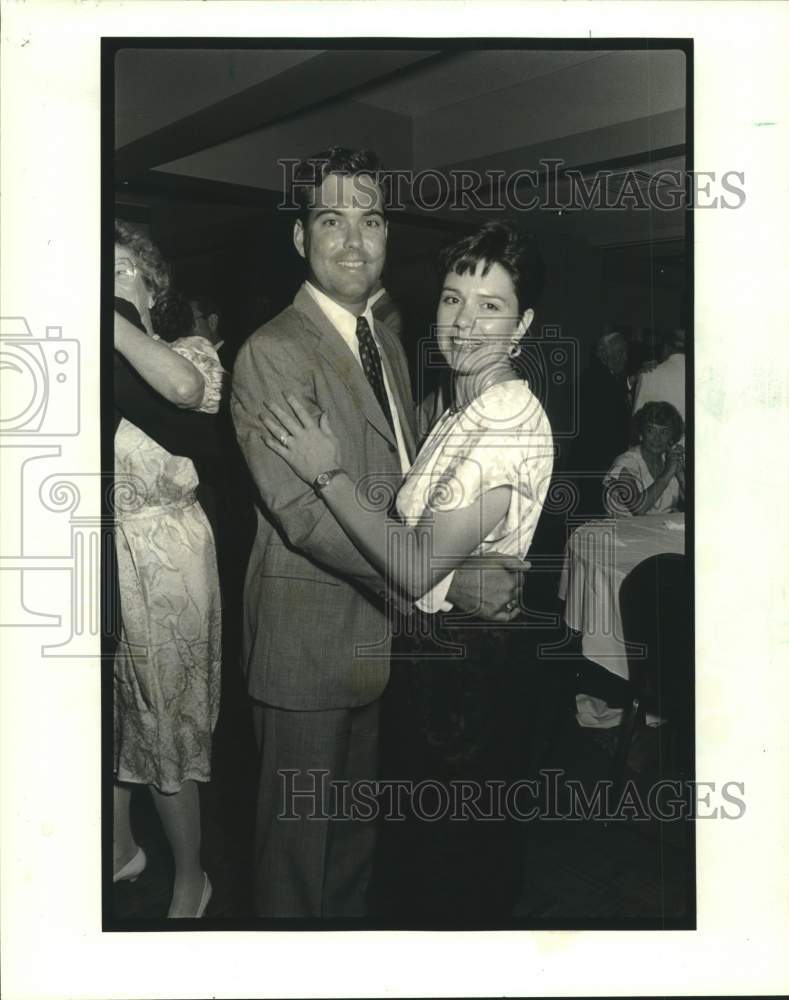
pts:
[167, 664]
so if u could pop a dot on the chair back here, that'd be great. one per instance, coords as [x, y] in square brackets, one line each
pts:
[654, 600]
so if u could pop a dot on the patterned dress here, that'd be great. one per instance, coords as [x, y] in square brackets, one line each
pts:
[167, 665]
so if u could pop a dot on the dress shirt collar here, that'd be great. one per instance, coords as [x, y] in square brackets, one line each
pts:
[339, 316]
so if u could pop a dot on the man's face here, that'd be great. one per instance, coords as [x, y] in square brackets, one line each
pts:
[204, 325]
[344, 239]
[615, 354]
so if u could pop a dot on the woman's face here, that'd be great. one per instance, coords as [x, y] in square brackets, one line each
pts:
[478, 319]
[129, 282]
[656, 438]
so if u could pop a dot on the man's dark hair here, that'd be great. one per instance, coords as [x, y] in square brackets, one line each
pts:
[207, 306]
[662, 414]
[171, 316]
[504, 244]
[313, 171]
[675, 342]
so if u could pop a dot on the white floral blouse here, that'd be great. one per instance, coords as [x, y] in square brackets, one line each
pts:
[502, 438]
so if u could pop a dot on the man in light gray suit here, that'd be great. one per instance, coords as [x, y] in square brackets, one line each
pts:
[316, 629]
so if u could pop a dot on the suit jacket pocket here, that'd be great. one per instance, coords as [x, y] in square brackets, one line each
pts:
[307, 573]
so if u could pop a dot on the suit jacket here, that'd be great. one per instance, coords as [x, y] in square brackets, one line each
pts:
[316, 634]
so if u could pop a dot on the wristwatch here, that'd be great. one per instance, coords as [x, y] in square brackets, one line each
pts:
[324, 478]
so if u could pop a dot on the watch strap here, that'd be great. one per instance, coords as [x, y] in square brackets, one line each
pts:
[324, 478]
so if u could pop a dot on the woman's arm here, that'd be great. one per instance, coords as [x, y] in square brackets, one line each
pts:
[679, 471]
[172, 376]
[413, 558]
[181, 432]
[633, 498]
[625, 492]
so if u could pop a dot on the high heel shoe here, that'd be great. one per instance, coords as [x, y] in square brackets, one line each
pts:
[132, 870]
[205, 899]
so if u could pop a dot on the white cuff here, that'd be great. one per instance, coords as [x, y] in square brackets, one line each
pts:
[436, 599]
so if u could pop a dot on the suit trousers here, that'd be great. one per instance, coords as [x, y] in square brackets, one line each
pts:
[308, 863]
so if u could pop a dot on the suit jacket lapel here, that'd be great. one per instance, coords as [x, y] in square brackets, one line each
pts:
[399, 386]
[336, 353]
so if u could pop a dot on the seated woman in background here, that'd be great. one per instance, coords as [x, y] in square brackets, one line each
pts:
[167, 662]
[649, 478]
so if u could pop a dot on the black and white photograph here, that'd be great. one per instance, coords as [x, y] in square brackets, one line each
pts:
[392, 551]
[402, 448]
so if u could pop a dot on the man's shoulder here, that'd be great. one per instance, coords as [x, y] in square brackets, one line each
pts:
[279, 326]
[280, 332]
[675, 361]
[654, 376]
[672, 362]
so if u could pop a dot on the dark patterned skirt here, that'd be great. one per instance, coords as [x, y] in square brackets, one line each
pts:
[454, 727]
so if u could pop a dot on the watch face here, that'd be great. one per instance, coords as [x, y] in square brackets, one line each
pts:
[324, 478]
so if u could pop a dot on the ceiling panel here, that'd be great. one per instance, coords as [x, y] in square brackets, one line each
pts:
[155, 87]
[614, 88]
[467, 75]
[254, 159]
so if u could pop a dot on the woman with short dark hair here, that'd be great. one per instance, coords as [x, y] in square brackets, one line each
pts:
[649, 478]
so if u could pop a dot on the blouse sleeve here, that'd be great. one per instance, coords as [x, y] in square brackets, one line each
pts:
[503, 445]
[618, 495]
[202, 354]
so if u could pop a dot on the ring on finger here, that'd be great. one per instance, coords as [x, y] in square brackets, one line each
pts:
[283, 438]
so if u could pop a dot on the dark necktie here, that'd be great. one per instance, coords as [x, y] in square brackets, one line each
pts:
[371, 363]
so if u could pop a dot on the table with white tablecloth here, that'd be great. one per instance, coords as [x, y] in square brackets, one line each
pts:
[599, 556]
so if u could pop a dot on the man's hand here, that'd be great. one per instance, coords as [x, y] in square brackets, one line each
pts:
[489, 586]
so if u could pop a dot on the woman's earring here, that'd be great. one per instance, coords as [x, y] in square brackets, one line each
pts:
[514, 351]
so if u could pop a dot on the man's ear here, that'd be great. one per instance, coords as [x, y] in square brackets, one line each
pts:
[298, 237]
[213, 322]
